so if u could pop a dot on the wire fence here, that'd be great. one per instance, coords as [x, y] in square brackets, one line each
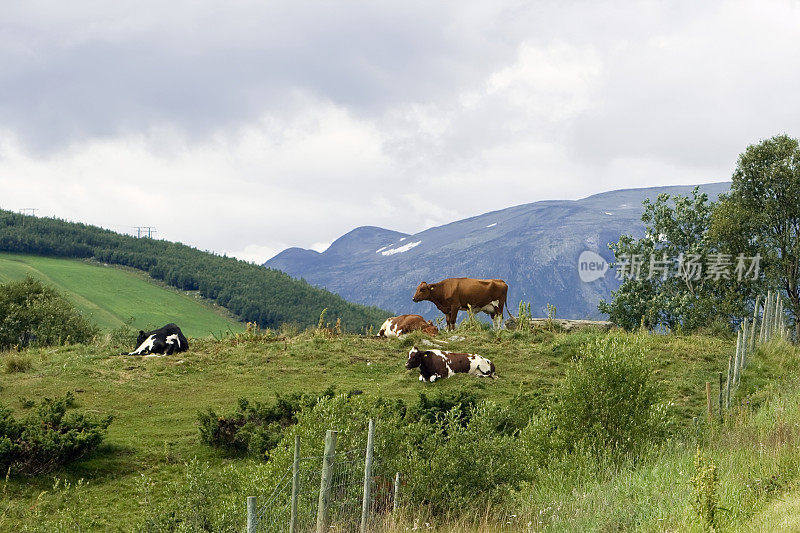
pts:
[770, 325]
[275, 513]
[327, 493]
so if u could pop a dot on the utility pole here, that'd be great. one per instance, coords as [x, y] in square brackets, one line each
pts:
[27, 211]
[142, 229]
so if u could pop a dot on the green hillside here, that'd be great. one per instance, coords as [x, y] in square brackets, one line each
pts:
[111, 296]
[253, 293]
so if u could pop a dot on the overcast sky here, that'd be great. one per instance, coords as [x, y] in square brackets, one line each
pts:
[249, 127]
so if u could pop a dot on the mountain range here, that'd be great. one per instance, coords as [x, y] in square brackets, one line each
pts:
[534, 247]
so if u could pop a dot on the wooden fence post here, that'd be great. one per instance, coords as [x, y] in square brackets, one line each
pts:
[325, 481]
[745, 342]
[708, 403]
[252, 520]
[729, 384]
[737, 361]
[762, 332]
[753, 332]
[721, 405]
[773, 308]
[396, 495]
[295, 484]
[367, 500]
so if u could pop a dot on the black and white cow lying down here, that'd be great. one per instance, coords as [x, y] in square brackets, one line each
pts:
[437, 364]
[166, 341]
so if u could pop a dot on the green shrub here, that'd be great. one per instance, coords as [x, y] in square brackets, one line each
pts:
[609, 400]
[430, 409]
[255, 428]
[704, 490]
[471, 322]
[123, 336]
[17, 363]
[450, 465]
[449, 460]
[32, 313]
[48, 437]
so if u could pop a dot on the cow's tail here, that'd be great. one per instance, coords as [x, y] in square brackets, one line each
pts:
[505, 308]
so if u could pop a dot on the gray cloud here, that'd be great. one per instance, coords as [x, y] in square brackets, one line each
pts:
[224, 65]
[293, 122]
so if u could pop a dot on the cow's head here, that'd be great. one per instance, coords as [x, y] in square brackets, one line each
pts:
[423, 292]
[431, 330]
[141, 338]
[414, 358]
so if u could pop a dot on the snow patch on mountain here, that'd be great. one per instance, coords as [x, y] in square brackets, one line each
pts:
[400, 250]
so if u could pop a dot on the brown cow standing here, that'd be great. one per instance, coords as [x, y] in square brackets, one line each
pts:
[457, 294]
[400, 325]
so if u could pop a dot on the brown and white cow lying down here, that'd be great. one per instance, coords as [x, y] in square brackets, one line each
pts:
[400, 325]
[452, 295]
[436, 364]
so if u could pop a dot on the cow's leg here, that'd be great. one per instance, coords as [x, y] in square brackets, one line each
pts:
[497, 319]
[452, 318]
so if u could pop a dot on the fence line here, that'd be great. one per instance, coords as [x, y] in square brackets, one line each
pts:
[336, 490]
[772, 326]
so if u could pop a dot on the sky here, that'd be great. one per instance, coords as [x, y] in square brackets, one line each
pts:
[246, 127]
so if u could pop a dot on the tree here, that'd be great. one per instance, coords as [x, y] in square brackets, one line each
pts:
[761, 214]
[33, 313]
[666, 281]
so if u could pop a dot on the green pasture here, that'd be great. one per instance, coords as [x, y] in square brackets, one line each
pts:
[111, 296]
[155, 401]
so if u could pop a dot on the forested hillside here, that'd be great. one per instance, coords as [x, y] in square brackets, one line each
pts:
[256, 294]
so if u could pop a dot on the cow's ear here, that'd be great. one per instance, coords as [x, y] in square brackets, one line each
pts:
[141, 332]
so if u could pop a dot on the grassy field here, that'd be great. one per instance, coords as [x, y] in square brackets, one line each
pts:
[155, 401]
[111, 296]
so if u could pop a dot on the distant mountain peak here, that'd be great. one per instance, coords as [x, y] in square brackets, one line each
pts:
[533, 246]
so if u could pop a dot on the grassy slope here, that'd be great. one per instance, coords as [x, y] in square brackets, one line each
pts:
[155, 401]
[111, 296]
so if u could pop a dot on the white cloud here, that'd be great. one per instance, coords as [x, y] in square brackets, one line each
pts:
[320, 246]
[250, 127]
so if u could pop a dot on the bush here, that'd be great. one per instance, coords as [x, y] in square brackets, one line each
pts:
[17, 363]
[254, 429]
[123, 336]
[32, 313]
[47, 438]
[609, 401]
[451, 460]
[704, 490]
[429, 410]
[450, 465]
